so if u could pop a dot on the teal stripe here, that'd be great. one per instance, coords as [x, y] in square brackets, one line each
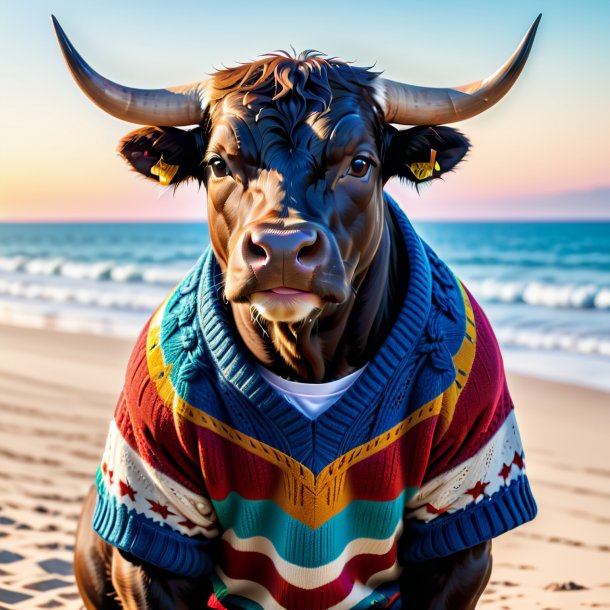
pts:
[299, 544]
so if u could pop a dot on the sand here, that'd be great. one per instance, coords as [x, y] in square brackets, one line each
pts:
[58, 394]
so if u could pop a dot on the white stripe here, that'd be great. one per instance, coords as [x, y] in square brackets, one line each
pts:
[310, 578]
[450, 488]
[127, 466]
[257, 593]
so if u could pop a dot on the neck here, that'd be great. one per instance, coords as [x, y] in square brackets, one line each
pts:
[345, 337]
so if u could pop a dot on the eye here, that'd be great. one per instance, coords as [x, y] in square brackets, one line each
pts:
[359, 167]
[219, 167]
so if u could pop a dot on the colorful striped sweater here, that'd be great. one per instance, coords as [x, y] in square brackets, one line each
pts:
[208, 472]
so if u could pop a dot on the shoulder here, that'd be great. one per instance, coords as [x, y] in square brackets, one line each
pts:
[487, 369]
[450, 303]
[152, 412]
[459, 336]
[170, 352]
[478, 403]
[467, 330]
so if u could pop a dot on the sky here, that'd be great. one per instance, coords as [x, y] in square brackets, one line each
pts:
[540, 152]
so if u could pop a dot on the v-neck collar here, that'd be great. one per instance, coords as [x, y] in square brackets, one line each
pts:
[317, 442]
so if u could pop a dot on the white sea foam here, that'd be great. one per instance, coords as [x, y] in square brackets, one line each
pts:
[535, 292]
[12, 263]
[99, 270]
[87, 271]
[163, 275]
[554, 339]
[602, 299]
[108, 296]
[43, 266]
[515, 258]
[126, 273]
[73, 319]
[585, 295]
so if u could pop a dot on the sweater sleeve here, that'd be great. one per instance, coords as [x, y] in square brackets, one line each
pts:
[475, 486]
[151, 494]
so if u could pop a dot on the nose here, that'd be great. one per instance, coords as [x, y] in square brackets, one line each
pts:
[302, 247]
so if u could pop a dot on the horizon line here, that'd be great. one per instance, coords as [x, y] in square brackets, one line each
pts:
[194, 220]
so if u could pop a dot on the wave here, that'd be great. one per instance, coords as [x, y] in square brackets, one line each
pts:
[18, 277]
[590, 260]
[56, 293]
[94, 270]
[92, 317]
[553, 339]
[544, 294]
[82, 321]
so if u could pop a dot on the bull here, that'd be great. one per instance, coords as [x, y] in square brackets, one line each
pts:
[220, 486]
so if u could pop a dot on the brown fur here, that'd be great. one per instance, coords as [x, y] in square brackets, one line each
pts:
[275, 71]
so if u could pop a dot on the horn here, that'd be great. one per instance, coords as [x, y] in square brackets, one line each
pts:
[410, 105]
[183, 105]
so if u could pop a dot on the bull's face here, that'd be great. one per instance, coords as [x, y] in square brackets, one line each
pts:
[295, 184]
[295, 211]
[294, 153]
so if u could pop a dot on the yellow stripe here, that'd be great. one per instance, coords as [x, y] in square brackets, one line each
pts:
[310, 499]
[463, 365]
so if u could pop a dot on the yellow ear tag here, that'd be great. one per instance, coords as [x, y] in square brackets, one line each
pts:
[164, 170]
[424, 169]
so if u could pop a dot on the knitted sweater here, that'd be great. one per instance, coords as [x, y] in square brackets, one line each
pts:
[209, 472]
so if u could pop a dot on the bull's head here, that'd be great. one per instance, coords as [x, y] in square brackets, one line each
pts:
[294, 153]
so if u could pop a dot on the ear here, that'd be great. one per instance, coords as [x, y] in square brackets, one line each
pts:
[422, 154]
[165, 154]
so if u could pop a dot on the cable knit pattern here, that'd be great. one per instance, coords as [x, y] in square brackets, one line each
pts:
[209, 472]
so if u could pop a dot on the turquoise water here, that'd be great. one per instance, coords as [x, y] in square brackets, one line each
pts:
[545, 286]
[101, 278]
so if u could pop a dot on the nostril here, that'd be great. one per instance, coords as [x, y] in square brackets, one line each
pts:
[253, 251]
[310, 253]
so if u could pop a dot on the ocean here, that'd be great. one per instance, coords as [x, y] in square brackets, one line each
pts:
[544, 286]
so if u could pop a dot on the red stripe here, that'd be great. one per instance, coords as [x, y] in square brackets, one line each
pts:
[229, 467]
[382, 476]
[257, 567]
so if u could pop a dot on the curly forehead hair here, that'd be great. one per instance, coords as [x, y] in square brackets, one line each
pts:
[308, 77]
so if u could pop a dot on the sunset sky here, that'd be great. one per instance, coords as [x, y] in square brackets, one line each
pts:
[542, 151]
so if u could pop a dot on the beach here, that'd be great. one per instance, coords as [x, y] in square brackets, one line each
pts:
[59, 391]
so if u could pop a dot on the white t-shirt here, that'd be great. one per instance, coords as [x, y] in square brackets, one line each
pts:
[311, 399]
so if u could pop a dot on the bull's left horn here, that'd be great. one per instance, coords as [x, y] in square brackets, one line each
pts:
[182, 105]
[411, 105]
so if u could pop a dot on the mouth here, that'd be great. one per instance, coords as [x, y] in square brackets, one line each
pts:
[285, 304]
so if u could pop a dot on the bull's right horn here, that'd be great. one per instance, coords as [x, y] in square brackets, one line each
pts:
[183, 105]
[410, 105]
